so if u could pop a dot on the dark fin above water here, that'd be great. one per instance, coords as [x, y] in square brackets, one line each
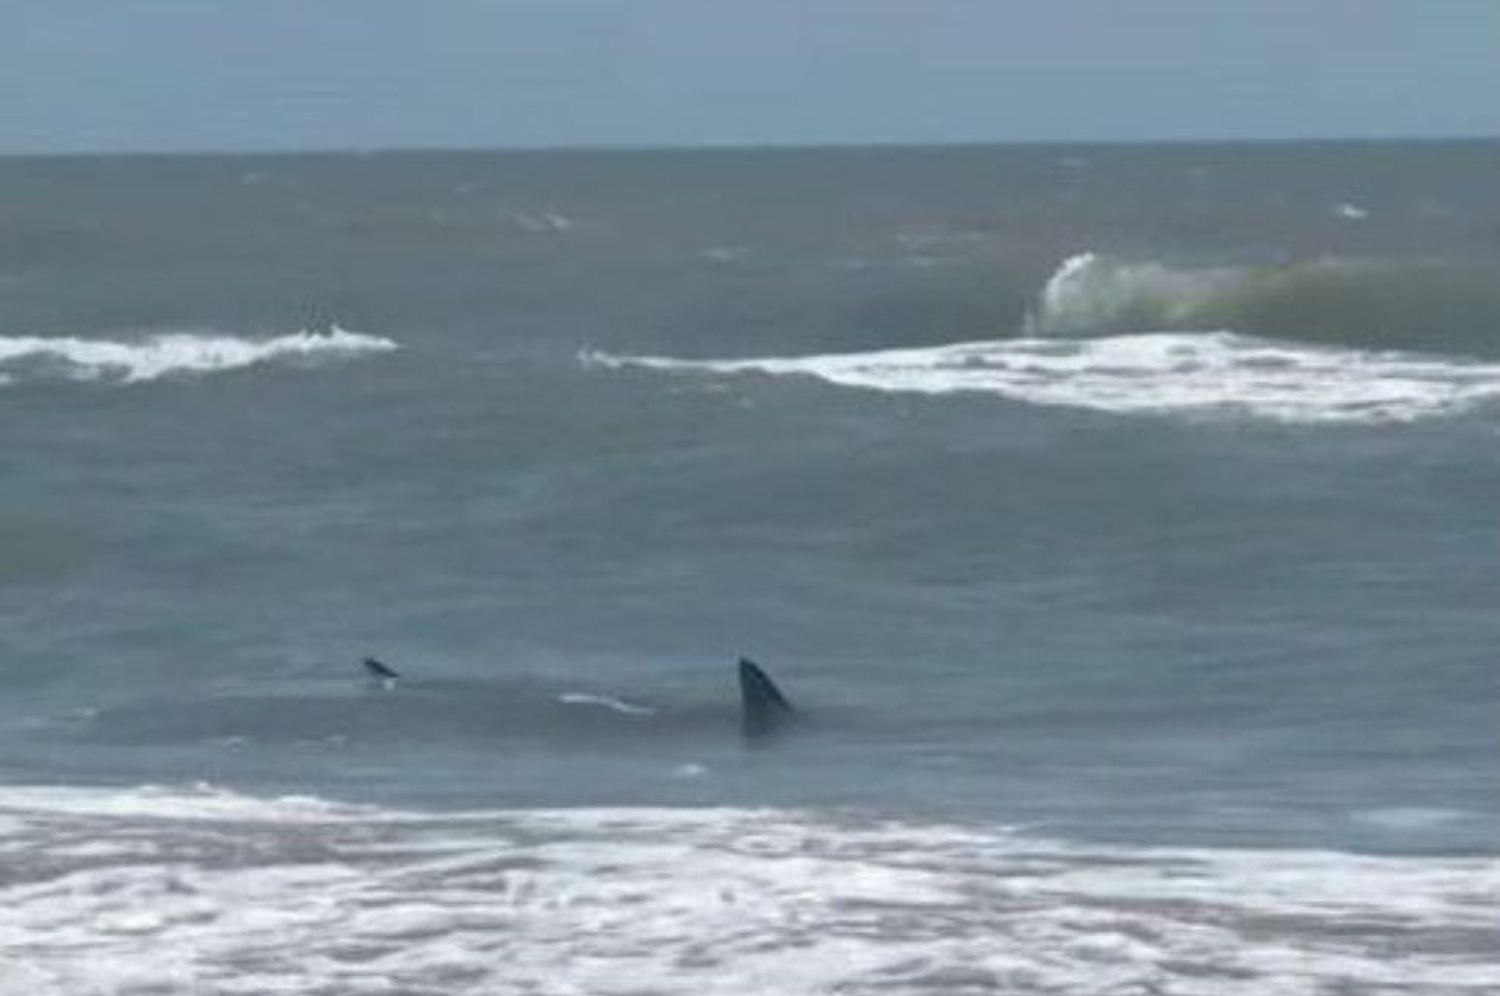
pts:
[766, 710]
[379, 670]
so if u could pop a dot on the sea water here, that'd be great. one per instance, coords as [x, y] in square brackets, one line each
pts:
[1121, 522]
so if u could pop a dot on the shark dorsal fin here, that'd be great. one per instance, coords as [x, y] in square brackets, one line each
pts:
[765, 708]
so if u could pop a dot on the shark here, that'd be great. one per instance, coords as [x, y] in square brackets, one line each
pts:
[398, 705]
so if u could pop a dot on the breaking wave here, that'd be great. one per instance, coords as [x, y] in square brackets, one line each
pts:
[202, 890]
[1361, 303]
[1090, 293]
[29, 358]
[1148, 338]
[1201, 373]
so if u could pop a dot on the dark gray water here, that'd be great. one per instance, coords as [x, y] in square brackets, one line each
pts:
[1137, 497]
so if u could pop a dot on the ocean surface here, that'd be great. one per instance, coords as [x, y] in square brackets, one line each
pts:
[1123, 523]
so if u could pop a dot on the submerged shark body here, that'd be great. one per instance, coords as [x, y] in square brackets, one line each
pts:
[517, 711]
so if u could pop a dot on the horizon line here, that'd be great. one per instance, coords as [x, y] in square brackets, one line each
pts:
[719, 147]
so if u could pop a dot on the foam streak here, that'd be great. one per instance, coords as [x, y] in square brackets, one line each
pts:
[1194, 373]
[175, 354]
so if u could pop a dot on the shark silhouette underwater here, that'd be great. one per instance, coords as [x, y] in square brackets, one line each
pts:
[394, 708]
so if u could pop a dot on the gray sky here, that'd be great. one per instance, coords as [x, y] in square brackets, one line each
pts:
[83, 75]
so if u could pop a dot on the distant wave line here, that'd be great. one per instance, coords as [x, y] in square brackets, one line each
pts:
[170, 354]
[1159, 373]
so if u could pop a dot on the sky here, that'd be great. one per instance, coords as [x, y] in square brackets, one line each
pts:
[199, 75]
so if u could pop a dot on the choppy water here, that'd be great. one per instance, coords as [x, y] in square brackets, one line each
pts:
[1122, 522]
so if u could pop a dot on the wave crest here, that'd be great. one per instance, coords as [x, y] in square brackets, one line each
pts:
[171, 354]
[1389, 304]
[1091, 293]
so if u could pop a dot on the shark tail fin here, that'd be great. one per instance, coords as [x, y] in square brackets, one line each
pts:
[385, 675]
[765, 708]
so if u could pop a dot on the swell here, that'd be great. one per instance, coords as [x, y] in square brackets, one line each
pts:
[1420, 305]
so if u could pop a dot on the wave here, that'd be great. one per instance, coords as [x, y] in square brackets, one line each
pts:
[1302, 343]
[1091, 293]
[30, 358]
[1194, 373]
[1363, 303]
[111, 890]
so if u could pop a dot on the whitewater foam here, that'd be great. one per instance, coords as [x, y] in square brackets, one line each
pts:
[605, 702]
[1148, 373]
[199, 801]
[169, 355]
[101, 894]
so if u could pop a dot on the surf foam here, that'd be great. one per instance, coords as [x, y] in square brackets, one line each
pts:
[171, 354]
[1149, 373]
[605, 702]
[122, 890]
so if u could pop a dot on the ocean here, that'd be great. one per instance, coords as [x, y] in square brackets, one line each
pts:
[1121, 521]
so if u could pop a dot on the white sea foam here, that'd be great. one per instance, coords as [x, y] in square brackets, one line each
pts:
[546, 221]
[1407, 818]
[605, 702]
[1154, 372]
[200, 801]
[115, 891]
[173, 354]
